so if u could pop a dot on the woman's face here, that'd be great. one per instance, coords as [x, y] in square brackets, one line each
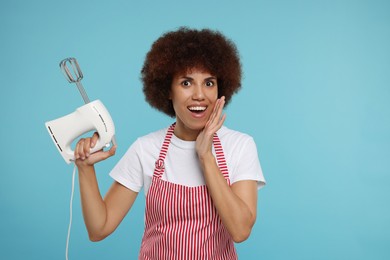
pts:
[193, 94]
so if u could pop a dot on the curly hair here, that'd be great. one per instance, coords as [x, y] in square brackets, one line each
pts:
[184, 49]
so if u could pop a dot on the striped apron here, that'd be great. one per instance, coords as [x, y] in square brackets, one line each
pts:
[181, 222]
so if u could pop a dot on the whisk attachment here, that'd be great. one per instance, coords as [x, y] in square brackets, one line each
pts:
[76, 77]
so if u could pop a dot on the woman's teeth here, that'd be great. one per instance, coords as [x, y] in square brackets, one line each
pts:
[197, 109]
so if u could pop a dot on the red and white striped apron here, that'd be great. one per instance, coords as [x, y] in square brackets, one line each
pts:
[181, 222]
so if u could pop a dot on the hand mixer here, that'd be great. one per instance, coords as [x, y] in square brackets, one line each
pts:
[91, 116]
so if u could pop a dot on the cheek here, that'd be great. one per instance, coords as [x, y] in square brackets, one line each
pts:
[213, 94]
[177, 99]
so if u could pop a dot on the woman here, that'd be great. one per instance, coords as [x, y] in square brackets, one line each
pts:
[199, 177]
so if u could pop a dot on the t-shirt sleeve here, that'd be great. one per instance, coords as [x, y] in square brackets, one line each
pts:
[248, 165]
[128, 171]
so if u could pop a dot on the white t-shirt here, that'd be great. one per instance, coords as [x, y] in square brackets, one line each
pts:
[135, 169]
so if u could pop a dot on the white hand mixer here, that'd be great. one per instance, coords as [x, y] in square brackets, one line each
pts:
[91, 116]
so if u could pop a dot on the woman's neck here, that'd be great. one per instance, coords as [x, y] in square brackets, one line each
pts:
[184, 133]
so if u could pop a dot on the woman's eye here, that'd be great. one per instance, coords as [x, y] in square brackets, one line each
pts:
[186, 83]
[209, 83]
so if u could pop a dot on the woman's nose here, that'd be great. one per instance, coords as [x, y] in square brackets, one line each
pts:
[198, 93]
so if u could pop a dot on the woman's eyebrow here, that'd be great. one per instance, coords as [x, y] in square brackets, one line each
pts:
[211, 78]
[186, 77]
[191, 79]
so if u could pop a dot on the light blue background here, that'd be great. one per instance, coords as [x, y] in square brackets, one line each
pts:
[315, 98]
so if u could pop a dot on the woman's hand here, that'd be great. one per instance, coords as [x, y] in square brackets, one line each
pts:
[205, 138]
[84, 157]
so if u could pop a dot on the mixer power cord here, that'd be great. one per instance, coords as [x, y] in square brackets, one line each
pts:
[70, 212]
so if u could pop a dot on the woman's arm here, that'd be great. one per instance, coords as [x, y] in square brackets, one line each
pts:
[101, 216]
[236, 204]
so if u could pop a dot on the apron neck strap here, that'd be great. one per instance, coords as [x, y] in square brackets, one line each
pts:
[160, 167]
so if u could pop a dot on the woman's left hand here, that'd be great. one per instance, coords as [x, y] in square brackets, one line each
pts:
[215, 122]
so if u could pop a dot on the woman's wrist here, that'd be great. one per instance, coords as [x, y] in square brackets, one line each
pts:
[206, 159]
[85, 169]
[206, 156]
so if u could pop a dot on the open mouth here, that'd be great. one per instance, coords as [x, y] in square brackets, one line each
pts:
[197, 109]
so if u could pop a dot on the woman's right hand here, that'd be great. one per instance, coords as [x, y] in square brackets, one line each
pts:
[82, 152]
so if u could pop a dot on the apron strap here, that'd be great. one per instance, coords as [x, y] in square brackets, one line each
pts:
[159, 165]
[221, 157]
